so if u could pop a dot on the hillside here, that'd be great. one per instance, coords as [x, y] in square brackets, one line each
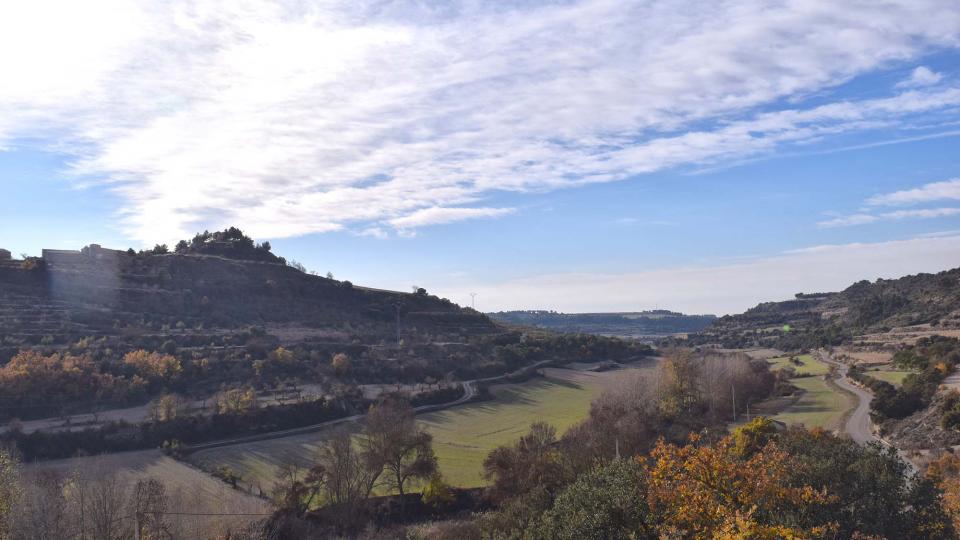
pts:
[636, 324]
[68, 295]
[101, 329]
[812, 320]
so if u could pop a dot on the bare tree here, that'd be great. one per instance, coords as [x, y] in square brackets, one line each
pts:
[42, 511]
[393, 441]
[149, 504]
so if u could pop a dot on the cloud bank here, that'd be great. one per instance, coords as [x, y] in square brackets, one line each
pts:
[293, 118]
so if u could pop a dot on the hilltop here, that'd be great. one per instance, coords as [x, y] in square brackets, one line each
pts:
[819, 319]
[631, 324]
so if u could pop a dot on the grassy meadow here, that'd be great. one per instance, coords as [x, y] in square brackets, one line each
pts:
[892, 376]
[192, 490]
[820, 404]
[808, 364]
[463, 436]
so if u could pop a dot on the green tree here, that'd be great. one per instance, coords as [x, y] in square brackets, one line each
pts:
[608, 502]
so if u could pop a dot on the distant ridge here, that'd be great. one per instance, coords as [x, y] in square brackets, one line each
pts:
[821, 319]
[652, 323]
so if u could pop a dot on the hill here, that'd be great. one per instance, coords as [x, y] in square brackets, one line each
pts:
[820, 319]
[636, 324]
[100, 329]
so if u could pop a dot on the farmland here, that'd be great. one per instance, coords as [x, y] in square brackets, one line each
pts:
[195, 491]
[806, 364]
[820, 404]
[892, 376]
[463, 436]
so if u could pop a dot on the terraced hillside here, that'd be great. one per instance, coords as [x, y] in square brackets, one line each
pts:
[821, 319]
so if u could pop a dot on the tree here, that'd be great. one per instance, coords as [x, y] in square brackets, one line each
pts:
[294, 490]
[608, 502]
[340, 364]
[437, 492]
[680, 392]
[392, 439]
[344, 476]
[9, 489]
[43, 513]
[149, 506]
[534, 461]
[167, 407]
[235, 400]
[154, 366]
[709, 492]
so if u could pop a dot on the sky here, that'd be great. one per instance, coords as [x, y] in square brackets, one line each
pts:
[592, 155]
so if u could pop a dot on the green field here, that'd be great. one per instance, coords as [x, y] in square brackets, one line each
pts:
[820, 405]
[808, 365]
[463, 436]
[894, 377]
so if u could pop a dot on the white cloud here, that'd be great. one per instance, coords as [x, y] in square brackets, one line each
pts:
[437, 215]
[845, 221]
[293, 118]
[862, 219]
[921, 76]
[720, 289]
[935, 191]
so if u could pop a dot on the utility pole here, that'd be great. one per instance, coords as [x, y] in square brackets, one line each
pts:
[733, 393]
[473, 301]
[398, 325]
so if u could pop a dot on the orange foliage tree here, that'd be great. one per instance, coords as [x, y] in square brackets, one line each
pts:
[154, 366]
[701, 491]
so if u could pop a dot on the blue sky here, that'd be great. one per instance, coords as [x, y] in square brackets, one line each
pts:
[702, 159]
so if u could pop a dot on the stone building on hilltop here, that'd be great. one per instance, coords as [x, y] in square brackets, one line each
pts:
[5, 255]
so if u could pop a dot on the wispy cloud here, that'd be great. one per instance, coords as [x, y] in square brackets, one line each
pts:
[935, 191]
[921, 76]
[862, 219]
[723, 288]
[438, 215]
[296, 118]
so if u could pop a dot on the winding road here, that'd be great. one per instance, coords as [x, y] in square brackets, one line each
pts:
[469, 392]
[859, 426]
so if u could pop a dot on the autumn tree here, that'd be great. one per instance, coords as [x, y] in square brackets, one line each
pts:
[167, 407]
[155, 367]
[235, 400]
[680, 391]
[707, 491]
[340, 364]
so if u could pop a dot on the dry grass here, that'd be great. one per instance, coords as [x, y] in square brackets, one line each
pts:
[190, 489]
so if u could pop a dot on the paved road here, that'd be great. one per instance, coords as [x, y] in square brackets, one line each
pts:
[859, 426]
[469, 392]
